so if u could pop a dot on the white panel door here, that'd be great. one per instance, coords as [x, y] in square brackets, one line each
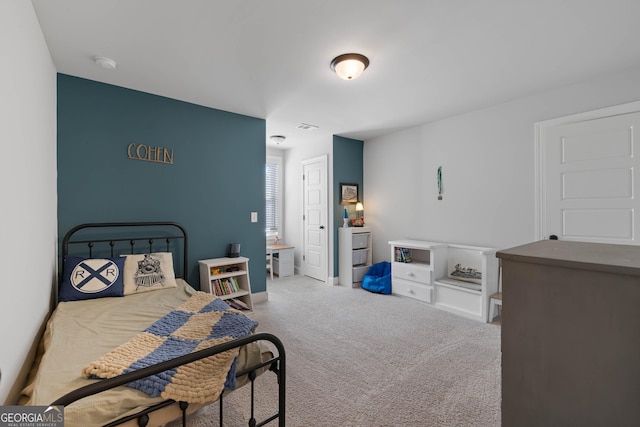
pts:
[590, 180]
[315, 219]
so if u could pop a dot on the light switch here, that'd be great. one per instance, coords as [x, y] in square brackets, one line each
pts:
[254, 216]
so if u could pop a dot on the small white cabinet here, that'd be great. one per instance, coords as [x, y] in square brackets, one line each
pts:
[227, 278]
[283, 262]
[456, 278]
[354, 258]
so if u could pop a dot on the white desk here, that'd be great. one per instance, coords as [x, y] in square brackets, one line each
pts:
[282, 259]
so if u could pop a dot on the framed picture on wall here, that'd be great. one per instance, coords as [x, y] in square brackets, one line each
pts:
[348, 193]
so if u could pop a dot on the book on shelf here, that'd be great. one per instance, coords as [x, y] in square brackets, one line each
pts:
[224, 269]
[225, 286]
[403, 255]
[237, 303]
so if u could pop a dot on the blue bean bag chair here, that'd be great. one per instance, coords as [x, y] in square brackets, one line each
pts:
[378, 278]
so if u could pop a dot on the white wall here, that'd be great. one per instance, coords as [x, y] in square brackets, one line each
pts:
[28, 182]
[487, 157]
[293, 158]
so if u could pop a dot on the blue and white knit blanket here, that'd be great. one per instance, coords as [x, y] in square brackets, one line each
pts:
[201, 322]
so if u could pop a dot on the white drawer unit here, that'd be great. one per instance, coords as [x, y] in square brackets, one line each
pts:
[360, 240]
[415, 272]
[359, 272]
[412, 269]
[455, 278]
[354, 258]
[359, 256]
[407, 288]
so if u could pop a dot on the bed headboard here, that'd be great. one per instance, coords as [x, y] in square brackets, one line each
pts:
[112, 239]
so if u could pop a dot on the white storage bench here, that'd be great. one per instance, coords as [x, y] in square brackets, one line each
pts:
[452, 277]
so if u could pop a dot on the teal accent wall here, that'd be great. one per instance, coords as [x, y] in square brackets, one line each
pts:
[216, 181]
[347, 168]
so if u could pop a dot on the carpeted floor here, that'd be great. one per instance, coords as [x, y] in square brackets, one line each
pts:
[360, 359]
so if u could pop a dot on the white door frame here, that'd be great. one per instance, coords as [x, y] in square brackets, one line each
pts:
[323, 158]
[540, 131]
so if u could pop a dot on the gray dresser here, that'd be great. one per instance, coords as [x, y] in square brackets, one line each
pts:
[570, 334]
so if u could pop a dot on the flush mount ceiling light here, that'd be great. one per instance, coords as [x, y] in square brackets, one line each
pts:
[350, 65]
[277, 139]
[106, 63]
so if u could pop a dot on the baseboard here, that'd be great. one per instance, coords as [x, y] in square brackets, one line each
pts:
[259, 297]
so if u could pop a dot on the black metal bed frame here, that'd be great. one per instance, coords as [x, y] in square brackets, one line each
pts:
[165, 237]
[276, 364]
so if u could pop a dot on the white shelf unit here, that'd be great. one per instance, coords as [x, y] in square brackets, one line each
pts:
[355, 254]
[220, 269]
[412, 268]
[427, 277]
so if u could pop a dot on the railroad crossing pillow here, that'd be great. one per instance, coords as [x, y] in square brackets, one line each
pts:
[87, 278]
[148, 272]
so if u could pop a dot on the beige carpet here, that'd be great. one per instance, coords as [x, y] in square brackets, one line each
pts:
[362, 359]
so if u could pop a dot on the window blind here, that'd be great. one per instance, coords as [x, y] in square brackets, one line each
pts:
[272, 215]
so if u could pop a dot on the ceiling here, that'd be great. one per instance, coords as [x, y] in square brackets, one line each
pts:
[270, 59]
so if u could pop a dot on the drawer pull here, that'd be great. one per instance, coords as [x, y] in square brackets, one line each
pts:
[409, 290]
[410, 274]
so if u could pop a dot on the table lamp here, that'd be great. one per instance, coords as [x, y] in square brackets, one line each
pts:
[359, 215]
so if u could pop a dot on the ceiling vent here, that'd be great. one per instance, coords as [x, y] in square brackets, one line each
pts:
[304, 126]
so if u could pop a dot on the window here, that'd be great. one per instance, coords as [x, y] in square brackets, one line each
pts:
[273, 184]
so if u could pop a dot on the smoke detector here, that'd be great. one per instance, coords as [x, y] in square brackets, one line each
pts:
[106, 63]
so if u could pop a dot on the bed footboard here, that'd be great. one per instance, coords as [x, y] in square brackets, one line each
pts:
[277, 365]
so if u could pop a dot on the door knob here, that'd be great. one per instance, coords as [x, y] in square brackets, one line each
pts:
[322, 227]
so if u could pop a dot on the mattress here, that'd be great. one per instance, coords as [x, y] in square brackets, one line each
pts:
[80, 332]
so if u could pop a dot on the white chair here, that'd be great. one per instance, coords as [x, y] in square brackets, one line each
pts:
[270, 262]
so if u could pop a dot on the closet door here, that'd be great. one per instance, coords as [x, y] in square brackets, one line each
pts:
[590, 180]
